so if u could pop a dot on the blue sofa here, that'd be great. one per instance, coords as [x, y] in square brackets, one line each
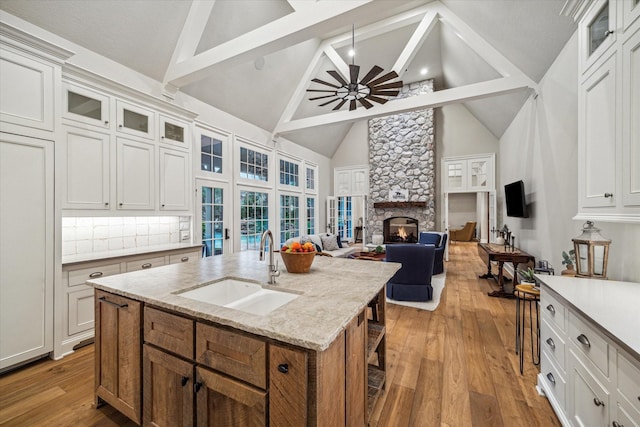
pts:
[413, 281]
[439, 240]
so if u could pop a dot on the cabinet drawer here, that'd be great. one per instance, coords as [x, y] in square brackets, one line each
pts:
[169, 331]
[590, 399]
[590, 343]
[553, 343]
[187, 257]
[234, 354]
[553, 378]
[629, 380]
[143, 264]
[80, 276]
[553, 310]
[81, 309]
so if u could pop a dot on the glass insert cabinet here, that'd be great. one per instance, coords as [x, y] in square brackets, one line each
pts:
[468, 173]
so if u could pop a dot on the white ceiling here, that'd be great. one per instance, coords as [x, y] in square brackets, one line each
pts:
[143, 34]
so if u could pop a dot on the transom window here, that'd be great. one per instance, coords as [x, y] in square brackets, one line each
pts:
[311, 215]
[254, 165]
[311, 179]
[289, 217]
[210, 154]
[288, 173]
[254, 218]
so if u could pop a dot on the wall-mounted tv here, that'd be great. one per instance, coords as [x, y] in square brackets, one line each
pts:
[515, 200]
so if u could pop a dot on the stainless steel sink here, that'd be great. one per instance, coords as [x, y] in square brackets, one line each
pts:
[241, 295]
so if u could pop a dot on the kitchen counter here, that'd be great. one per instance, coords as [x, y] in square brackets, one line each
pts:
[331, 294]
[610, 304]
[106, 255]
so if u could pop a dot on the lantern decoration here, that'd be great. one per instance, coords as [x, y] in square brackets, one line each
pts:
[592, 252]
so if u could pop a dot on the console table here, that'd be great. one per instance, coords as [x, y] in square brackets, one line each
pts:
[493, 252]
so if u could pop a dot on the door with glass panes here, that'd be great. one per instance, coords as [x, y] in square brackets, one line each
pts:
[213, 216]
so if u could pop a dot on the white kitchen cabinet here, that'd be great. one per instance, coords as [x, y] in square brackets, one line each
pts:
[174, 131]
[630, 114]
[84, 105]
[85, 160]
[26, 248]
[351, 181]
[174, 180]
[145, 263]
[589, 405]
[597, 32]
[630, 12]
[463, 174]
[135, 174]
[135, 120]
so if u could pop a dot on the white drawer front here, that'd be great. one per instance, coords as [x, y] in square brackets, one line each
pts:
[625, 416]
[590, 399]
[552, 343]
[553, 310]
[81, 311]
[79, 277]
[590, 343]
[143, 264]
[188, 257]
[629, 380]
[554, 380]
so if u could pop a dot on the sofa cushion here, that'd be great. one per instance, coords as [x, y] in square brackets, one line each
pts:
[329, 242]
[429, 238]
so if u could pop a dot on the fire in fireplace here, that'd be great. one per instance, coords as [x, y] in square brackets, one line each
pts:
[400, 229]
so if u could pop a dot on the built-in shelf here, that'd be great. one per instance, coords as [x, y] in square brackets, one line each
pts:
[376, 333]
[383, 205]
[375, 380]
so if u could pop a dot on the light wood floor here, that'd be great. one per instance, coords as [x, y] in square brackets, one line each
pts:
[455, 366]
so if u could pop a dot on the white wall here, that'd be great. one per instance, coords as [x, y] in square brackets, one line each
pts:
[462, 208]
[540, 147]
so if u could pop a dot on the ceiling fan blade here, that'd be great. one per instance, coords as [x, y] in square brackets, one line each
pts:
[390, 75]
[385, 92]
[365, 103]
[392, 85]
[377, 99]
[354, 70]
[352, 105]
[322, 97]
[338, 77]
[328, 102]
[325, 83]
[321, 90]
[339, 106]
[371, 74]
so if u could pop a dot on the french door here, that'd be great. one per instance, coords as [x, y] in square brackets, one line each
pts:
[213, 217]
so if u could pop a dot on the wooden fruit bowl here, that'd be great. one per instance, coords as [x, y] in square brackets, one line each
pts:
[298, 262]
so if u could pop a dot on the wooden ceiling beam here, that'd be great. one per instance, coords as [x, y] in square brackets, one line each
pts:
[414, 44]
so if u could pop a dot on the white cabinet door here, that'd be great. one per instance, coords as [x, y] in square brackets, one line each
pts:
[85, 105]
[597, 131]
[26, 248]
[342, 182]
[85, 162]
[480, 174]
[135, 174]
[454, 176]
[630, 121]
[135, 120]
[174, 180]
[174, 131]
[359, 182]
[80, 306]
[590, 405]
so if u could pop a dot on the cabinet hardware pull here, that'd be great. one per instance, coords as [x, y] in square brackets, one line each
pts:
[551, 378]
[120, 204]
[104, 299]
[582, 339]
[197, 386]
[551, 308]
[184, 259]
[551, 343]
[185, 380]
[147, 265]
[606, 33]
[598, 402]
[106, 122]
[607, 195]
[163, 205]
[119, 126]
[95, 274]
[283, 367]
[616, 424]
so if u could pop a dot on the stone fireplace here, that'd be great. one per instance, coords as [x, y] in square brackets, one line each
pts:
[400, 229]
[402, 157]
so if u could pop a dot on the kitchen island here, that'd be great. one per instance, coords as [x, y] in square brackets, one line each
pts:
[304, 363]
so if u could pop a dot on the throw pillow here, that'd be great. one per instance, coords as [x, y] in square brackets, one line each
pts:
[329, 242]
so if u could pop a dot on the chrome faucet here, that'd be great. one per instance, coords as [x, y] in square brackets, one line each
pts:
[273, 266]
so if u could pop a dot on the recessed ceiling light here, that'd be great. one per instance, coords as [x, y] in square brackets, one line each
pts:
[423, 71]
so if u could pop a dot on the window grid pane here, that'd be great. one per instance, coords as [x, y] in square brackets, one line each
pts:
[254, 218]
[212, 221]
[289, 217]
[345, 220]
[210, 154]
[311, 215]
[288, 173]
[311, 179]
[254, 165]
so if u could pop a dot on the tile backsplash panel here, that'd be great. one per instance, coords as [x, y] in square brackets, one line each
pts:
[84, 235]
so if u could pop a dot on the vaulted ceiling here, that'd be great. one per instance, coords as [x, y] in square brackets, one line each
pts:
[255, 58]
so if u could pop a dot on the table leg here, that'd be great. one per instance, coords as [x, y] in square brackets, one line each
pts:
[501, 293]
[488, 275]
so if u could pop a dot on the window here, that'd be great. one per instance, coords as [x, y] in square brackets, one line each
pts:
[288, 173]
[254, 218]
[212, 225]
[345, 219]
[599, 29]
[289, 217]
[311, 215]
[210, 154]
[311, 178]
[254, 165]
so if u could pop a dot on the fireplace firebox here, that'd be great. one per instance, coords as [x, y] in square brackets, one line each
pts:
[400, 229]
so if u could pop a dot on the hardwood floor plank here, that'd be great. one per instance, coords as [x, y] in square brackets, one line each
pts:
[485, 410]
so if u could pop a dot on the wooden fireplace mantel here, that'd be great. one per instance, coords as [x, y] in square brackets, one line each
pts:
[400, 205]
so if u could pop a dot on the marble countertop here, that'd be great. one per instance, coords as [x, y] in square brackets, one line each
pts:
[99, 256]
[331, 294]
[612, 305]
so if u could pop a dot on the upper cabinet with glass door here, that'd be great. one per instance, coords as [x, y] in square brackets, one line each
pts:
[135, 120]
[630, 12]
[174, 131]
[468, 173]
[597, 32]
[84, 105]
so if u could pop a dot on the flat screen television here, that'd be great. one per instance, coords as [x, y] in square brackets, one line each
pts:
[515, 200]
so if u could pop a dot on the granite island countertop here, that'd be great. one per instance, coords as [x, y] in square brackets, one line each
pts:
[331, 294]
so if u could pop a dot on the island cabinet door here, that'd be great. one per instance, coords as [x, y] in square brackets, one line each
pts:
[288, 386]
[168, 389]
[356, 371]
[117, 359]
[222, 401]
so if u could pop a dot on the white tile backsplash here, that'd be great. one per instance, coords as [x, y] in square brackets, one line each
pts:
[81, 235]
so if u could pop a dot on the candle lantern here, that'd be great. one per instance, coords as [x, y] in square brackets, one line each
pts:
[592, 252]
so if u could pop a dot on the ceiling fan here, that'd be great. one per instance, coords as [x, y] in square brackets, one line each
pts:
[368, 89]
